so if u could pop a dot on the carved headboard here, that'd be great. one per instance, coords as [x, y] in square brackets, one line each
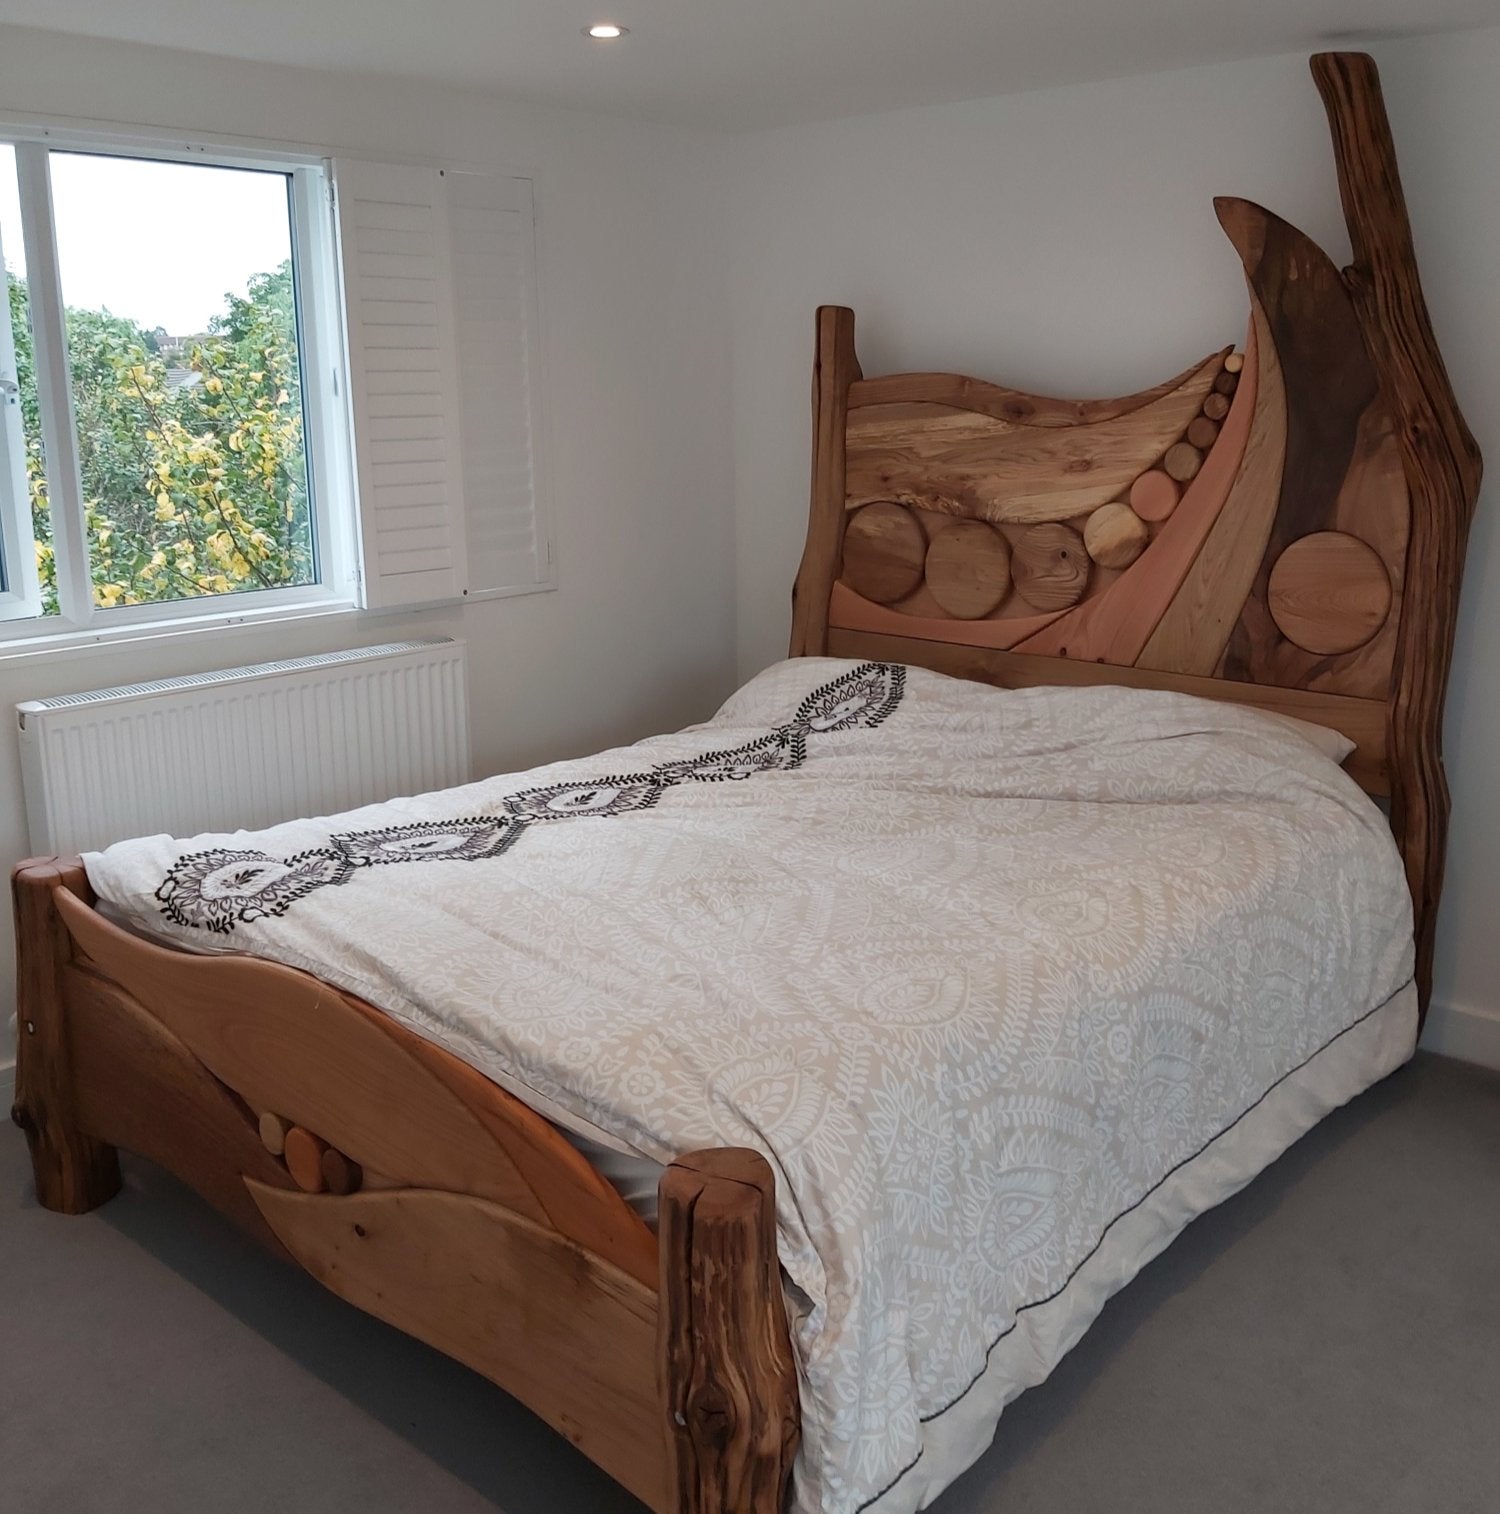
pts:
[1283, 525]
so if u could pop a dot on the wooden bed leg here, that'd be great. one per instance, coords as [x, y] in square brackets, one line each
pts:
[74, 1172]
[729, 1380]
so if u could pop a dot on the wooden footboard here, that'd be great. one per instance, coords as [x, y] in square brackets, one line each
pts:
[415, 1188]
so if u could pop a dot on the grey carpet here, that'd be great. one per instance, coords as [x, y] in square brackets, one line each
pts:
[1328, 1341]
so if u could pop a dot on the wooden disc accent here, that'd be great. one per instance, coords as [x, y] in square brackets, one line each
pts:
[1115, 536]
[968, 569]
[304, 1159]
[1154, 495]
[341, 1174]
[1203, 433]
[1216, 406]
[884, 552]
[1051, 566]
[1329, 593]
[273, 1131]
[1234, 362]
[1227, 382]
[1183, 461]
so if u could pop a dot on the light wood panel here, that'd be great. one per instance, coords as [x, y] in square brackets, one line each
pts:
[1115, 536]
[572, 1337]
[964, 463]
[1114, 626]
[884, 552]
[962, 393]
[1329, 592]
[1192, 633]
[968, 568]
[140, 1089]
[385, 1098]
[1051, 567]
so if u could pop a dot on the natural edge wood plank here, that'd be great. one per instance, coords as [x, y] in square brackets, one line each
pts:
[835, 368]
[571, 1336]
[1439, 455]
[73, 1171]
[725, 1357]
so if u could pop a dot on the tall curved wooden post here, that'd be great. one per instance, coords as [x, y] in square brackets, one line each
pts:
[835, 368]
[728, 1377]
[74, 1172]
[1438, 454]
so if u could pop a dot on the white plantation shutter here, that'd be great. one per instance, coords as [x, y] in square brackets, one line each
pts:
[439, 291]
[494, 301]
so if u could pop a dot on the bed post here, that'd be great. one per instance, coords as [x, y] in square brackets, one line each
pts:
[1440, 459]
[74, 1172]
[834, 369]
[728, 1377]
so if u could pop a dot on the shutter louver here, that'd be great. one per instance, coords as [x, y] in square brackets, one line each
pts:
[494, 302]
[398, 290]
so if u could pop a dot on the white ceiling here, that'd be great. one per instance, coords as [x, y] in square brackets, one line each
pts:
[753, 63]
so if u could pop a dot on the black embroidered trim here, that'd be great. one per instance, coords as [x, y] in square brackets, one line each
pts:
[431, 841]
[219, 889]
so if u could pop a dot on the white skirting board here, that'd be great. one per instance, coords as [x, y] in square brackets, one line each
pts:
[1464, 1031]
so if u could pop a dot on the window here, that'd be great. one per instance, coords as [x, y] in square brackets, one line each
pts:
[155, 372]
[219, 395]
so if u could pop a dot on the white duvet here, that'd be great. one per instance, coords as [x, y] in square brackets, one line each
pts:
[974, 969]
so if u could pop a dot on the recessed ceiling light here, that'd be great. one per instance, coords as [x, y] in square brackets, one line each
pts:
[604, 31]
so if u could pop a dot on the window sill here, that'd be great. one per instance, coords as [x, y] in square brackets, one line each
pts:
[71, 643]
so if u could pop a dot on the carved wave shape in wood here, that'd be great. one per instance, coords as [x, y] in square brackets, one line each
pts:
[1201, 566]
[402, 1109]
[1114, 604]
[955, 461]
[1342, 474]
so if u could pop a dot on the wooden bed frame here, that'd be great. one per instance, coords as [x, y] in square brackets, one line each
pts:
[1284, 528]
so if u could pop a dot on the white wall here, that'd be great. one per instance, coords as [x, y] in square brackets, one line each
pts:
[639, 635]
[1064, 242]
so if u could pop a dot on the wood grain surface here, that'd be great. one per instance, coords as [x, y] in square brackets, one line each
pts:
[968, 568]
[724, 1354]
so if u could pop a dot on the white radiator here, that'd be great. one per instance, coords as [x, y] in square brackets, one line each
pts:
[245, 747]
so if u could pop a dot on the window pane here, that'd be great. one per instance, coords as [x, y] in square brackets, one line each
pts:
[14, 251]
[182, 337]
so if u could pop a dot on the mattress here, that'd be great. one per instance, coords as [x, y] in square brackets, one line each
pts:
[1006, 986]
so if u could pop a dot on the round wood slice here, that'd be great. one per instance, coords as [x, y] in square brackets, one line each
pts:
[1216, 407]
[1329, 593]
[341, 1174]
[1154, 495]
[1203, 433]
[273, 1131]
[1050, 566]
[884, 552]
[1115, 536]
[968, 569]
[1227, 382]
[304, 1159]
[1234, 362]
[1183, 461]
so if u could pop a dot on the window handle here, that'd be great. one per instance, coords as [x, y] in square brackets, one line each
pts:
[10, 390]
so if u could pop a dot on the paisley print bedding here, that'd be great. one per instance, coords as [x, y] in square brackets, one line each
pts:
[975, 970]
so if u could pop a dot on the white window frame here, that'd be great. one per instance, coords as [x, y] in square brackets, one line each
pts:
[327, 433]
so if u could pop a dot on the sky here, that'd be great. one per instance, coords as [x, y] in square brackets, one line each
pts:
[160, 243]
